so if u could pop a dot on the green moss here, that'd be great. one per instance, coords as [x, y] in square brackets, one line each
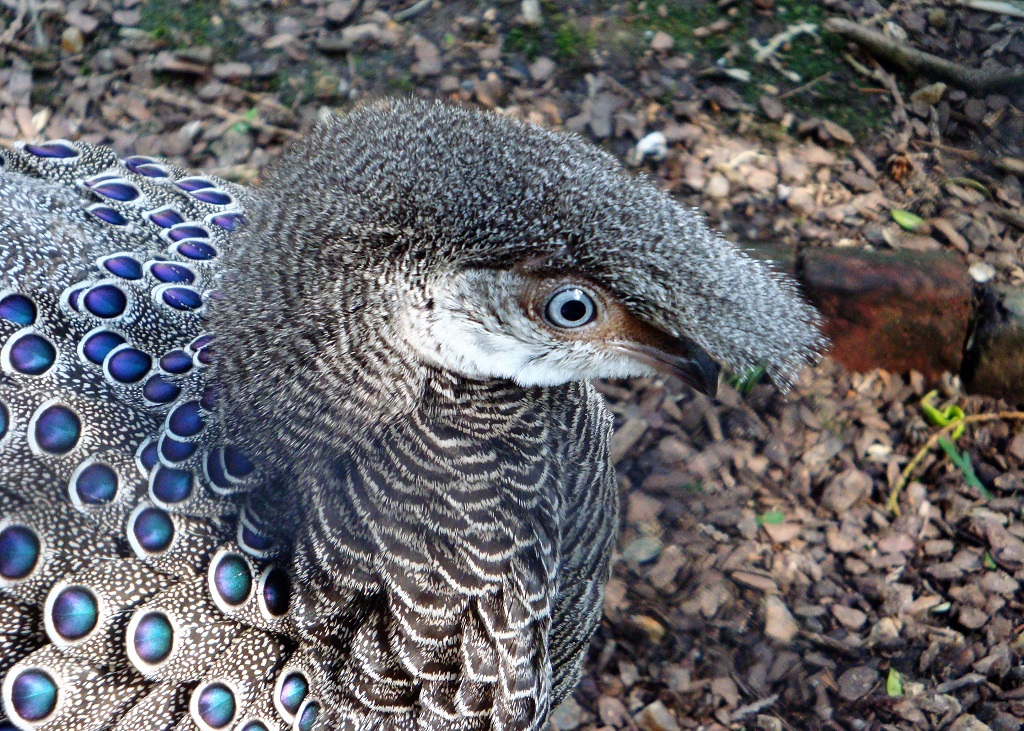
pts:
[571, 44]
[526, 41]
[188, 23]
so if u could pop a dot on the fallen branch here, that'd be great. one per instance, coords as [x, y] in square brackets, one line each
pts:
[412, 11]
[893, 503]
[911, 59]
[1014, 10]
[161, 94]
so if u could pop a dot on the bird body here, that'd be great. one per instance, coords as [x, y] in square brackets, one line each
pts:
[324, 454]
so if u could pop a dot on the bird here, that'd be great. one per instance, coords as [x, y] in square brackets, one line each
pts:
[324, 453]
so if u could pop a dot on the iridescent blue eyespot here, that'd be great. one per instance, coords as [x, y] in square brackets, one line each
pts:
[228, 221]
[97, 179]
[176, 362]
[153, 638]
[170, 485]
[277, 591]
[294, 690]
[95, 485]
[56, 149]
[74, 298]
[108, 214]
[190, 184]
[205, 356]
[166, 217]
[105, 300]
[188, 231]
[98, 345]
[172, 273]
[250, 726]
[75, 612]
[174, 451]
[237, 464]
[308, 717]
[129, 365]
[33, 695]
[196, 250]
[148, 456]
[18, 308]
[57, 429]
[123, 266]
[117, 190]
[186, 420]
[215, 470]
[212, 196]
[159, 390]
[153, 529]
[32, 354]
[134, 161]
[201, 342]
[254, 542]
[182, 298]
[19, 552]
[232, 579]
[216, 705]
[5, 421]
[146, 166]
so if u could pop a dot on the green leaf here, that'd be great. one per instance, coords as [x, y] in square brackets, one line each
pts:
[894, 683]
[988, 562]
[962, 460]
[245, 123]
[970, 183]
[772, 517]
[945, 417]
[907, 220]
[744, 382]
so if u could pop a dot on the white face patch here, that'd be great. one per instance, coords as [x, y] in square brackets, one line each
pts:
[474, 324]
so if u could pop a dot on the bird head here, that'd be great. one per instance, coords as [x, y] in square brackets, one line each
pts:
[493, 249]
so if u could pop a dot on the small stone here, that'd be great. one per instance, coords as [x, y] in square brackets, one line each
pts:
[232, 71]
[85, 23]
[542, 69]
[967, 722]
[531, 13]
[656, 717]
[340, 11]
[982, 272]
[947, 231]
[852, 619]
[428, 59]
[127, 18]
[72, 40]
[642, 550]
[567, 715]
[845, 490]
[771, 107]
[717, 187]
[931, 94]
[662, 42]
[779, 623]
[761, 181]
[937, 18]
[651, 627]
[857, 682]
[801, 200]
[653, 146]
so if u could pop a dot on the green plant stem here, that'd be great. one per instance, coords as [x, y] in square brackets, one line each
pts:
[894, 494]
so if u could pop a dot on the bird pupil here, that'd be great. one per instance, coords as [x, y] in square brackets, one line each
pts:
[574, 310]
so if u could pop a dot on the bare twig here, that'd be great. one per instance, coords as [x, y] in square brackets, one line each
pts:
[805, 87]
[162, 94]
[1014, 10]
[412, 11]
[887, 49]
[19, 19]
[893, 504]
[899, 112]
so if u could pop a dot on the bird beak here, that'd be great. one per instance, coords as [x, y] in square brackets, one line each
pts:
[681, 358]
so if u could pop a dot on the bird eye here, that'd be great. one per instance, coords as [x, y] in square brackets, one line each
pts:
[570, 307]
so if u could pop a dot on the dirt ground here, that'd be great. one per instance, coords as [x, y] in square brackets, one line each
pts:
[762, 580]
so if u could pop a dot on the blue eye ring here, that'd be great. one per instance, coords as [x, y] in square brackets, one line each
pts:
[570, 308]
